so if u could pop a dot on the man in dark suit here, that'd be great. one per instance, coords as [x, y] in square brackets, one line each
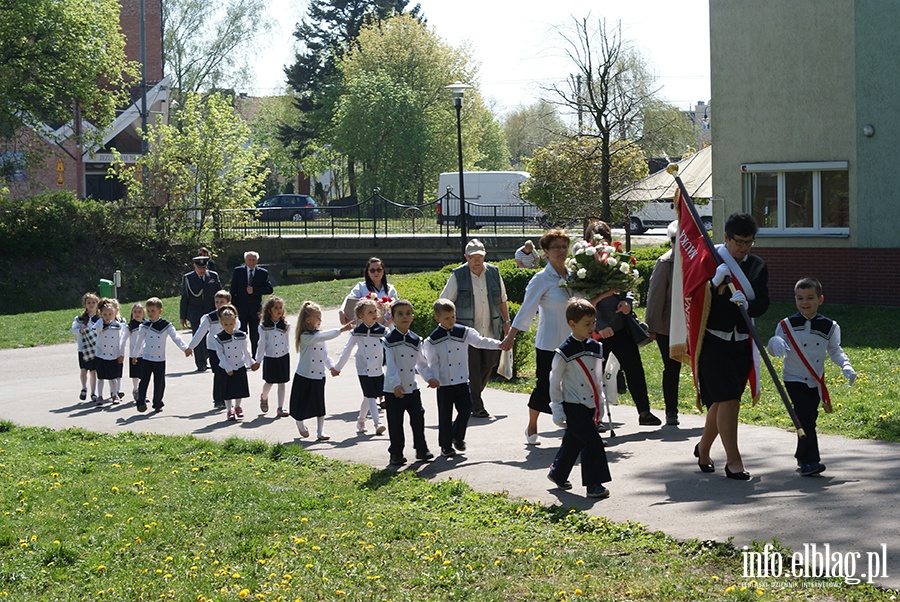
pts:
[198, 297]
[248, 285]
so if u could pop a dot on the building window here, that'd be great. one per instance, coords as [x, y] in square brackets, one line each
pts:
[12, 165]
[799, 199]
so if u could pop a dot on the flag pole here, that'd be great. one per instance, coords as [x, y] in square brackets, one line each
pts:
[672, 169]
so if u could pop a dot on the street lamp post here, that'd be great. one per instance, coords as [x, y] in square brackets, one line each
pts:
[458, 90]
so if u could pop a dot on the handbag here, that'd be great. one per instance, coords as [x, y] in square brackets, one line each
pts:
[638, 330]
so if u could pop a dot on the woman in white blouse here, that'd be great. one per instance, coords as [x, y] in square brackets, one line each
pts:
[375, 282]
[548, 299]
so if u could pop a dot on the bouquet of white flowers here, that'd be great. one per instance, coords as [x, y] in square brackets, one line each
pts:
[598, 268]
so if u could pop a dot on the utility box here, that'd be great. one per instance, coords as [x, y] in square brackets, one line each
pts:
[105, 288]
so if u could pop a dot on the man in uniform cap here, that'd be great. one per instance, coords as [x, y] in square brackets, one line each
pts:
[198, 297]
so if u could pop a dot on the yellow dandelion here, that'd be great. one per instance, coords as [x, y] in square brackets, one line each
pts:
[115, 489]
[729, 589]
[102, 567]
[243, 593]
[577, 592]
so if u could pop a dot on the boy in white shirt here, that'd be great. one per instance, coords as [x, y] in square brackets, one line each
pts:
[804, 339]
[446, 368]
[152, 340]
[576, 401]
[402, 351]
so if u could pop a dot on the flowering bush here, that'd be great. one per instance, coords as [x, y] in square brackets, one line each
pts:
[596, 268]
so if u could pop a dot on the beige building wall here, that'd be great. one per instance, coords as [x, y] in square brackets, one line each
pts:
[783, 80]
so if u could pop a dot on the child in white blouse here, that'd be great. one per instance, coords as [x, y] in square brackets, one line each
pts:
[232, 346]
[86, 341]
[366, 338]
[308, 387]
[274, 353]
[110, 353]
[134, 349]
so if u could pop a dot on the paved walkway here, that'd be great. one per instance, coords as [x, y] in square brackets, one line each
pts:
[853, 507]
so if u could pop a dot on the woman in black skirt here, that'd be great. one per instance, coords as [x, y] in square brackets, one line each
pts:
[726, 357]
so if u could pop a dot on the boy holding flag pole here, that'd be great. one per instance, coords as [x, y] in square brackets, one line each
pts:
[715, 332]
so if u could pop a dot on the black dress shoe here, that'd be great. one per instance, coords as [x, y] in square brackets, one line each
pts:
[703, 467]
[739, 476]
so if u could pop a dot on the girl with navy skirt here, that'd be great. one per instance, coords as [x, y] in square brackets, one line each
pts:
[274, 353]
[233, 348]
[308, 388]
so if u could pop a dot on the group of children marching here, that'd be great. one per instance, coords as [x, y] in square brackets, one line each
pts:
[387, 360]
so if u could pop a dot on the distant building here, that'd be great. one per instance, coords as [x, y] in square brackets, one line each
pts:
[806, 127]
[83, 170]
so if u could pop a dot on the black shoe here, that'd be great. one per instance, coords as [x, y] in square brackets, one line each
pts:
[621, 386]
[480, 413]
[83, 395]
[397, 461]
[597, 491]
[218, 405]
[459, 445]
[565, 485]
[813, 468]
[648, 419]
[141, 406]
[202, 368]
[424, 456]
[448, 451]
[739, 476]
[671, 418]
[704, 467]
[601, 428]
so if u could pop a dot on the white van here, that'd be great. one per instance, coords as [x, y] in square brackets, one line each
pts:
[491, 197]
[658, 214]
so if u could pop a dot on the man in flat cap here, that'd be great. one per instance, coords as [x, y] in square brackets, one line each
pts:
[479, 293]
[198, 297]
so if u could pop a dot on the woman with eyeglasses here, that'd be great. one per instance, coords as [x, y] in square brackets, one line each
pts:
[548, 299]
[375, 281]
[726, 354]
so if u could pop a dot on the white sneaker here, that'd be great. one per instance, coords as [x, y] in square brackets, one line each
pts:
[360, 426]
[531, 439]
[379, 429]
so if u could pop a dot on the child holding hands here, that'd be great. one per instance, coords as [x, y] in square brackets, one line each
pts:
[274, 352]
[402, 351]
[86, 341]
[308, 388]
[446, 368]
[110, 352]
[232, 348]
[366, 338]
[804, 339]
[576, 402]
[152, 341]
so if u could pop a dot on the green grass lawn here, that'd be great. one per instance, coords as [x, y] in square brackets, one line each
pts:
[139, 516]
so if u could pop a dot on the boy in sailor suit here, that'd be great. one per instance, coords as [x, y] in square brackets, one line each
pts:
[804, 339]
[110, 351]
[232, 347]
[366, 338]
[576, 401]
[209, 327]
[152, 340]
[402, 351]
[446, 368]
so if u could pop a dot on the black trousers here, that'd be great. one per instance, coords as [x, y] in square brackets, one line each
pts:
[482, 363]
[581, 438]
[806, 404]
[540, 396]
[396, 407]
[629, 356]
[218, 391]
[157, 370]
[199, 351]
[250, 325]
[671, 374]
[449, 397]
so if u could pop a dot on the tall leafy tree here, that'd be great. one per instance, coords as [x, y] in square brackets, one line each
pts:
[324, 35]
[207, 45]
[396, 117]
[566, 177]
[54, 53]
[207, 164]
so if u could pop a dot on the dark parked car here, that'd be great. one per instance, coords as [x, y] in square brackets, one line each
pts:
[287, 207]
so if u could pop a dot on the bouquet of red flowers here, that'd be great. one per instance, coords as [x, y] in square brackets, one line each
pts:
[597, 268]
[384, 306]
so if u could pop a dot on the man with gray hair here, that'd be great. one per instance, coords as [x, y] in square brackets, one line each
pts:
[480, 297]
[249, 283]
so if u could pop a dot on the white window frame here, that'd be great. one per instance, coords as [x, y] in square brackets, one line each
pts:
[816, 167]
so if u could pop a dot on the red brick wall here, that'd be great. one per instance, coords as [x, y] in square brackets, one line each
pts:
[848, 276]
[129, 20]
